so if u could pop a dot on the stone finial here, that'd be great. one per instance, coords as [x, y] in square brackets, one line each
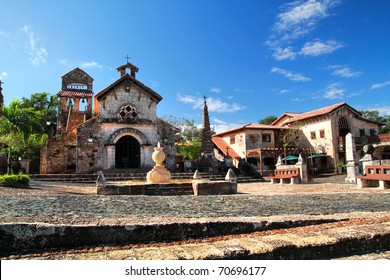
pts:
[197, 175]
[279, 161]
[230, 176]
[101, 178]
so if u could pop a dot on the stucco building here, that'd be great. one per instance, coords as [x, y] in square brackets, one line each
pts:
[322, 138]
[116, 129]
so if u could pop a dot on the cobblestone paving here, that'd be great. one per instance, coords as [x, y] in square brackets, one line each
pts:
[310, 200]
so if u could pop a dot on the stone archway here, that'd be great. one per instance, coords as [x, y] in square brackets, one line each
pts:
[127, 153]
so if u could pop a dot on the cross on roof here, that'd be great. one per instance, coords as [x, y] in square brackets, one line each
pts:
[127, 58]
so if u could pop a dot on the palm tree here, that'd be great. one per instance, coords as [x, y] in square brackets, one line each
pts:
[17, 125]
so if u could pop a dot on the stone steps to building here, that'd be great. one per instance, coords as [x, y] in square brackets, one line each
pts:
[136, 176]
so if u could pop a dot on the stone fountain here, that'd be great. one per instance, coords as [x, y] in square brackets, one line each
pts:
[158, 182]
[159, 174]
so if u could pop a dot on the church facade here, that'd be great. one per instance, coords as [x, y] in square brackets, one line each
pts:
[115, 129]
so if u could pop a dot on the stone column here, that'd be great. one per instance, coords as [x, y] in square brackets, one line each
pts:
[109, 161]
[301, 164]
[352, 165]
[367, 159]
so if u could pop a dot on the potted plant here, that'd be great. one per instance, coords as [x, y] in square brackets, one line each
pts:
[341, 167]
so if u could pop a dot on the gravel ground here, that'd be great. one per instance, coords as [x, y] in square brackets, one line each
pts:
[78, 203]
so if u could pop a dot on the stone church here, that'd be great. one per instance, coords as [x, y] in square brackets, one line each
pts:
[115, 129]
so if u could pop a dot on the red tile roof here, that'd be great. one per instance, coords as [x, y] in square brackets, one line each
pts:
[75, 93]
[224, 147]
[248, 126]
[314, 113]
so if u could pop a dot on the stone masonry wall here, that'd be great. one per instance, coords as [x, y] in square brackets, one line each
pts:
[88, 154]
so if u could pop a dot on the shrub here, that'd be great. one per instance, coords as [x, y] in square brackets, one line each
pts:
[15, 181]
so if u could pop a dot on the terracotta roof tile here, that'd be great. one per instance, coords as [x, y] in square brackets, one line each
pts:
[75, 93]
[222, 146]
[315, 113]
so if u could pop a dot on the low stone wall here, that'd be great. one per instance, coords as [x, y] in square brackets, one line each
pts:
[145, 189]
[201, 187]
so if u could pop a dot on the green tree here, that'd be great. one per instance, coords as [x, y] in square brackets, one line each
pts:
[45, 106]
[373, 115]
[189, 139]
[19, 128]
[268, 120]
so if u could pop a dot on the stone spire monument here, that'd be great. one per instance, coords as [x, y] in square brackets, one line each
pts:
[207, 145]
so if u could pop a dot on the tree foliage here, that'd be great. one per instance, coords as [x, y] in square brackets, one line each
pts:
[23, 125]
[189, 139]
[373, 115]
[268, 120]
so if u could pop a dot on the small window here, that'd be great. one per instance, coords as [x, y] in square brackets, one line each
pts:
[233, 139]
[266, 137]
[322, 133]
[362, 132]
[313, 135]
[372, 132]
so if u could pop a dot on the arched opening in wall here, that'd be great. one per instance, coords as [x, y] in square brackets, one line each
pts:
[83, 105]
[344, 129]
[127, 153]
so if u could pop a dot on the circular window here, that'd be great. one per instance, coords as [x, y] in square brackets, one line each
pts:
[128, 113]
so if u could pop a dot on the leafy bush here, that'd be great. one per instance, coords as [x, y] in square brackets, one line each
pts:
[16, 181]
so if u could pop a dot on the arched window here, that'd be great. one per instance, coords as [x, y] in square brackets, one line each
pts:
[343, 123]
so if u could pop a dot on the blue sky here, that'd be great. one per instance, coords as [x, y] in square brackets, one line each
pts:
[251, 58]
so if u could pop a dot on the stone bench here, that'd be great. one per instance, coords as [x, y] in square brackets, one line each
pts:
[375, 176]
[285, 175]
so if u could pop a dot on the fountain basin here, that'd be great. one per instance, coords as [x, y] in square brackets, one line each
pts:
[179, 187]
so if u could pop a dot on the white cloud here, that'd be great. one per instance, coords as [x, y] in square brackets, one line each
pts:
[318, 47]
[216, 105]
[300, 17]
[376, 86]
[215, 90]
[187, 99]
[213, 104]
[37, 54]
[334, 91]
[220, 125]
[296, 77]
[344, 71]
[3, 34]
[243, 90]
[3, 75]
[296, 19]
[284, 91]
[284, 53]
[90, 64]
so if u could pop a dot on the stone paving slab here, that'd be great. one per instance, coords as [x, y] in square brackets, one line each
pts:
[277, 244]
[78, 205]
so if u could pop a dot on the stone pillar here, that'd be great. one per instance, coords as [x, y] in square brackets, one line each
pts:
[368, 158]
[110, 157]
[279, 162]
[352, 165]
[301, 164]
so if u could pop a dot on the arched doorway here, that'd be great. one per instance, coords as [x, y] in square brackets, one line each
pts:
[127, 153]
[344, 129]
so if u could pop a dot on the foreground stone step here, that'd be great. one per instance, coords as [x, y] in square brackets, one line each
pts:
[323, 241]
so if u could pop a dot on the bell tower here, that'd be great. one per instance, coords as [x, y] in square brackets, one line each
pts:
[75, 100]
